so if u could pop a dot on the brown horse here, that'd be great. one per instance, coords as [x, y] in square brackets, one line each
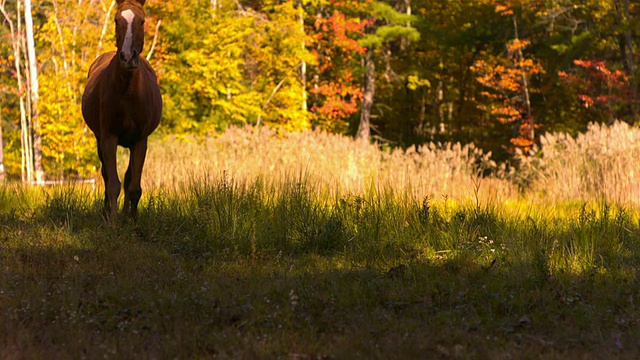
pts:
[122, 105]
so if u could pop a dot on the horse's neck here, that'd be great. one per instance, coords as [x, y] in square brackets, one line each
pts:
[121, 76]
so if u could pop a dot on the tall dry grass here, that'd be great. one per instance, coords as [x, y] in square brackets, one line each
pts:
[603, 164]
[326, 161]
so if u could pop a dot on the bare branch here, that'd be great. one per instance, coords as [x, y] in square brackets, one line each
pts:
[155, 39]
[104, 27]
[275, 90]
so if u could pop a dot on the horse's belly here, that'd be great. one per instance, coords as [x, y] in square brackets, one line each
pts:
[129, 140]
[130, 131]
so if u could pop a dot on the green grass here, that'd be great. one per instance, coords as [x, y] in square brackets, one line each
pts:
[250, 269]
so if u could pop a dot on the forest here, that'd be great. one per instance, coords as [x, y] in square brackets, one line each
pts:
[497, 74]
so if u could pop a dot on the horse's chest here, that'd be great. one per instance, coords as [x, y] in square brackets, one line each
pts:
[130, 108]
[131, 121]
[134, 109]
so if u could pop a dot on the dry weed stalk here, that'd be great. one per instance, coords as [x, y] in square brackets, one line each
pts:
[599, 164]
[334, 163]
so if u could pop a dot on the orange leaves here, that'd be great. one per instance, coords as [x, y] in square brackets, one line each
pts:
[506, 83]
[504, 9]
[501, 78]
[506, 113]
[343, 28]
[517, 44]
[521, 142]
[341, 100]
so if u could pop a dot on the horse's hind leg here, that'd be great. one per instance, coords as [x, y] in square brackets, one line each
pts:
[132, 179]
[107, 153]
[127, 182]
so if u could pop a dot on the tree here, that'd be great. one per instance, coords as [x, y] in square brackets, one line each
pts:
[384, 25]
[604, 92]
[72, 35]
[590, 32]
[509, 84]
[333, 42]
[238, 67]
[33, 87]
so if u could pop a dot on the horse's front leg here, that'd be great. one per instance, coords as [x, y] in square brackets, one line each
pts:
[132, 178]
[107, 152]
[105, 176]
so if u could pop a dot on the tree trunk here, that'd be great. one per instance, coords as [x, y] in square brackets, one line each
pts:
[530, 132]
[33, 82]
[303, 64]
[214, 8]
[105, 27]
[63, 51]
[368, 92]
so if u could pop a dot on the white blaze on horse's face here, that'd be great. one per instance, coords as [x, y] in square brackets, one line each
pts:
[128, 15]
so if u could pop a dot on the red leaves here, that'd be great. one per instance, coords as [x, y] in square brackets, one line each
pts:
[342, 28]
[597, 86]
[337, 37]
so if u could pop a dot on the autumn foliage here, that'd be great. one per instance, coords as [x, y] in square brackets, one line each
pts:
[599, 88]
[498, 74]
[335, 94]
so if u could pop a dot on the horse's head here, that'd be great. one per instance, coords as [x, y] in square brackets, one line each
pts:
[129, 31]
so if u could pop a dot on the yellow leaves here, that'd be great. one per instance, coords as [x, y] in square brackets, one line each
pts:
[66, 143]
[68, 37]
[414, 82]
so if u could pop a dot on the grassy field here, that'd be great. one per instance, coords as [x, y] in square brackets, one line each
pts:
[308, 263]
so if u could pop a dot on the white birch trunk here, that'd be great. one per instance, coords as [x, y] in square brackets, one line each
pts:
[303, 64]
[33, 82]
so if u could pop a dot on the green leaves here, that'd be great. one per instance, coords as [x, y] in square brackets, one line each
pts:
[392, 25]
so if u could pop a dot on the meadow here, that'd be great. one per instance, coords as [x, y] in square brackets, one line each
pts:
[252, 244]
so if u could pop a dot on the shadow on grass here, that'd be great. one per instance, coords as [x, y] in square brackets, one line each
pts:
[133, 298]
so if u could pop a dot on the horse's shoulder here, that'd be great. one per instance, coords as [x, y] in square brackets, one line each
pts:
[148, 68]
[101, 62]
